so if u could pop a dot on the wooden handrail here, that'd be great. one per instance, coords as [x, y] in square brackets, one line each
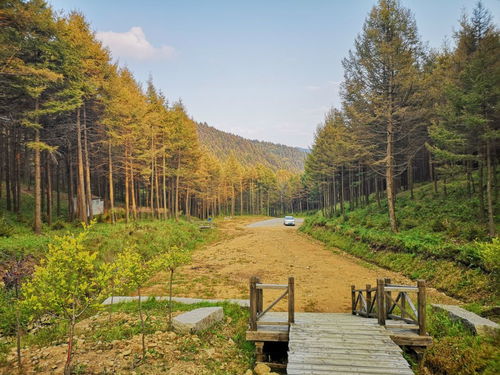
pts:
[257, 310]
[272, 286]
[380, 302]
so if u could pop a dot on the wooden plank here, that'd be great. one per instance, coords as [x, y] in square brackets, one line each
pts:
[412, 340]
[401, 325]
[343, 344]
[271, 323]
[329, 369]
[401, 289]
[272, 304]
[291, 300]
[253, 303]
[421, 307]
[380, 302]
[267, 336]
[271, 286]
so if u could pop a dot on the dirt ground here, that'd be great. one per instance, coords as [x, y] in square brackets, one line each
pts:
[323, 277]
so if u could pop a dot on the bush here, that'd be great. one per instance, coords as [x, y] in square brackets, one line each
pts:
[58, 225]
[437, 225]
[490, 254]
[6, 229]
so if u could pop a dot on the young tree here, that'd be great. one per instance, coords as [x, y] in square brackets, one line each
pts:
[17, 272]
[133, 270]
[69, 281]
[171, 259]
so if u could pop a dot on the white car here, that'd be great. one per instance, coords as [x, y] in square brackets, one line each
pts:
[289, 220]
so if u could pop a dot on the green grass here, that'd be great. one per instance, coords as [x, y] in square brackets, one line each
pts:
[457, 351]
[441, 240]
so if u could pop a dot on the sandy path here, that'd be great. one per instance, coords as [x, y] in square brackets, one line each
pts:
[273, 252]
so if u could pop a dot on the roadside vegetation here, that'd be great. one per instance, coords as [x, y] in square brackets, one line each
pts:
[63, 276]
[440, 240]
[457, 351]
[108, 340]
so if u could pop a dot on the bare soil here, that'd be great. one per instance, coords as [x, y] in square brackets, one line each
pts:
[323, 277]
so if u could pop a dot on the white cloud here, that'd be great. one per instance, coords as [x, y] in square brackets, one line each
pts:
[133, 44]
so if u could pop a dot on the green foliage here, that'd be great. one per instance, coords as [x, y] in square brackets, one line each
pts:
[69, 280]
[6, 229]
[457, 351]
[447, 258]
[490, 254]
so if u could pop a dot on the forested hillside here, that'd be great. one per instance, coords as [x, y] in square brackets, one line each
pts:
[251, 152]
[412, 117]
[74, 126]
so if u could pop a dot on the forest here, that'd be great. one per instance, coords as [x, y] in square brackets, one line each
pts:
[402, 174]
[406, 171]
[76, 126]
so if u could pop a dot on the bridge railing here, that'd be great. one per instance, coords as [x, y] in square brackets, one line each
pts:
[257, 310]
[392, 302]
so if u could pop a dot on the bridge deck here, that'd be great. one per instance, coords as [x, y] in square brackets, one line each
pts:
[340, 344]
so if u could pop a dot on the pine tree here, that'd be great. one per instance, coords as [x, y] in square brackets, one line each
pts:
[381, 91]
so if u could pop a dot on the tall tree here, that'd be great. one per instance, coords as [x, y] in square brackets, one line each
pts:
[381, 91]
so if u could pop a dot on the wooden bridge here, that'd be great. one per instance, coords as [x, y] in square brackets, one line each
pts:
[367, 341]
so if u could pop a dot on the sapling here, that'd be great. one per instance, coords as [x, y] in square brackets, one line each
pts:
[171, 259]
[17, 272]
[68, 282]
[133, 270]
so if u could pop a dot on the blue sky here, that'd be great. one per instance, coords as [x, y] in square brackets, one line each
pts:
[265, 70]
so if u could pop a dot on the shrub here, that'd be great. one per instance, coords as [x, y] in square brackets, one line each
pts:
[490, 254]
[437, 225]
[58, 225]
[6, 229]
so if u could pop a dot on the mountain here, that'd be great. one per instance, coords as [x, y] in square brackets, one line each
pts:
[251, 152]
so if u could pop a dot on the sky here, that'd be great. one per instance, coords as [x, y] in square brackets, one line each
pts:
[262, 69]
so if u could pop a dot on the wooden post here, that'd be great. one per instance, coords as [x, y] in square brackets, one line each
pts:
[388, 302]
[253, 303]
[291, 300]
[380, 302]
[259, 298]
[403, 304]
[368, 299]
[421, 307]
[353, 299]
[259, 349]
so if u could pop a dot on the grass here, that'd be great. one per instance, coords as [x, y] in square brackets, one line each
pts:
[457, 351]
[121, 322]
[441, 240]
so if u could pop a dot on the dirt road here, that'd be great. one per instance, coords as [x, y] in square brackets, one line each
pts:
[273, 252]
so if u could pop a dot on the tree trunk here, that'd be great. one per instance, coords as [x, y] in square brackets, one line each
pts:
[342, 210]
[164, 182]
[389, 176]
[143, 334]
[70, 191]
[48, 176]
[111, 187]
[177, 178]
[88, 190]
[489, 190]
[38, 192]
[127, 190]
[410, 178]
[80, 186]
[8, 197]
[69, 355]
[480, 189]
